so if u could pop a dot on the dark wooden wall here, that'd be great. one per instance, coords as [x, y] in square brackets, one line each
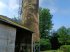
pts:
[23, 41]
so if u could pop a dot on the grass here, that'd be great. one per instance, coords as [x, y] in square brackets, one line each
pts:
[53, 51]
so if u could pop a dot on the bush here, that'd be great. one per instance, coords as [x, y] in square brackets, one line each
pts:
[45, 44]
[65, 48]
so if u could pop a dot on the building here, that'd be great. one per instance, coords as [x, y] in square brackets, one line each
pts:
[14, 37]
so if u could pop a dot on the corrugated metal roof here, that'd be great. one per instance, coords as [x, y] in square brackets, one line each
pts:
[9, 21]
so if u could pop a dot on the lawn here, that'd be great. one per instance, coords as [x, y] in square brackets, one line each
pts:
[53, 51]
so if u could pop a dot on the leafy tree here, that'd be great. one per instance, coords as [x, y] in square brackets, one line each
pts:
[45, 44]
[68, 32]
[45, 25]
[45, 22]
[54, 41]
[63, 35]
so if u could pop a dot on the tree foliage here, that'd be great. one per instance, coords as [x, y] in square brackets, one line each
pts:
[64, 35]
[45, 44]
[45, 22]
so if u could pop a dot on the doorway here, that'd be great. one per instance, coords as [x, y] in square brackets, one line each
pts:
[23, 41]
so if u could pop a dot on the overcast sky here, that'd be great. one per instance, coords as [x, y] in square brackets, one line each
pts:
[60, 9]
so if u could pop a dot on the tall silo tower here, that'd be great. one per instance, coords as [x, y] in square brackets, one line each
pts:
[30, 17]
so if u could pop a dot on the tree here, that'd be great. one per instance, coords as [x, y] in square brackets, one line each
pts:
[68, 32]
[54, 41]
[45, 44]
[45, 22]
[63, 35]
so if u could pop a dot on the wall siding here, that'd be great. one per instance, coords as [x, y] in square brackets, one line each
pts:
[7, 38]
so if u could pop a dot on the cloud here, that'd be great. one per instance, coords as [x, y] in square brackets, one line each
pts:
[2, 5]
[13, 5]
[9, 8]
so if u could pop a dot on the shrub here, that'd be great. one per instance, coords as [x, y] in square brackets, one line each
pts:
[65, 48]
[45, 44]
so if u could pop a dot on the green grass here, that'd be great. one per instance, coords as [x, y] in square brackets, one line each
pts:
[53, 51]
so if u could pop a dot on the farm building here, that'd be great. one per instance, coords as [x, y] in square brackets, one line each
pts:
[20, 38]
[14, 37]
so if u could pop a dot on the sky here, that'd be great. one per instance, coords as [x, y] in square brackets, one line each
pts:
[60, 9]
[9, 8]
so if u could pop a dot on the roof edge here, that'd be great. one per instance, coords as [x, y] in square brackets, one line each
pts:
[8, 20]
